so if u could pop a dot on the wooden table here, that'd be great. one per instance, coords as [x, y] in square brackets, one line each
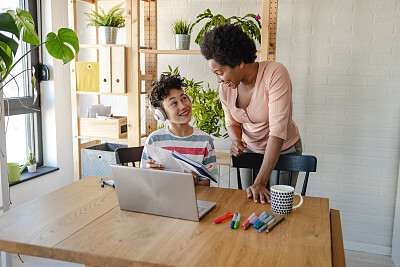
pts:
[83, 223]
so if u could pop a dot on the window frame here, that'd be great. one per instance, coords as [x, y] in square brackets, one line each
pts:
[13, 106]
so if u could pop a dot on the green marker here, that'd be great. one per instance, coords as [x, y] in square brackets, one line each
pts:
[237, 221]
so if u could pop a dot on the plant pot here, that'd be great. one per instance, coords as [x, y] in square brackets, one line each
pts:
[182, 41]
[32, 168]
[108, 35]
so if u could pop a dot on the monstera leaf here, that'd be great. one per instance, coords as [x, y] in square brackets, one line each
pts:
[56, 44]
[19, 24]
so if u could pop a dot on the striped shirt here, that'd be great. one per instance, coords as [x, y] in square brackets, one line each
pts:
[198, 146]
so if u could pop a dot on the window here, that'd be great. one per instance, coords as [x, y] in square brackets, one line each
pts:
[23, 117]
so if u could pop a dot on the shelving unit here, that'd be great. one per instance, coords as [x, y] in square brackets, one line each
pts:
[135, 76]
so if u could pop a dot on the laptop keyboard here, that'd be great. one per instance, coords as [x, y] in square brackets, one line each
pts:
[200, 209]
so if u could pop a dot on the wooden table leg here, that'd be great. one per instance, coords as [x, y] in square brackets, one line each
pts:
[338, 258]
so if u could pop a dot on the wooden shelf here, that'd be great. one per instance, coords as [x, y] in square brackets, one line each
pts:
[103, 138]
[99, 93]
[174, 52]
[97, 46]
[155, 51]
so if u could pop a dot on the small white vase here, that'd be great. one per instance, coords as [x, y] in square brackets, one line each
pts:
[108, 35]
[32, 168]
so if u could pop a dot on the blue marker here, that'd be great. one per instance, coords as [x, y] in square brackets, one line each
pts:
[260, 222]
[233, 220]
[263, 228]
[262, 215]
[265, 221]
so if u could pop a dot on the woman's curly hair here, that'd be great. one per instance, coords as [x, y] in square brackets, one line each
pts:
[160, 89]
[228, 45]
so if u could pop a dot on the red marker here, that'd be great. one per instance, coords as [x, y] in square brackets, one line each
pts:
[224, 218]
[246, 224]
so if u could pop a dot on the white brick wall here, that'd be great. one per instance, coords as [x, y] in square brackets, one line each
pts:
[344, 60]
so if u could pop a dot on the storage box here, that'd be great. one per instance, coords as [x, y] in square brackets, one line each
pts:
[96, 160]
[115, 127]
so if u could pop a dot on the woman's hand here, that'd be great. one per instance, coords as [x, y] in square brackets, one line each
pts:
[152, 165]
[238, 148]
[259, 192]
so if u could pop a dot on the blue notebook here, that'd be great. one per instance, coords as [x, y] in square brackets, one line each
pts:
[198, 166]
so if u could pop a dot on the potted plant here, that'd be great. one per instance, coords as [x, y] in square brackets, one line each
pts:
[207, 109]
[182, 30]
[107, 23]
[31, 162]
[250, 24]
[19, 24]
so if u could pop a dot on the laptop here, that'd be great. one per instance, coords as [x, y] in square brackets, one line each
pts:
[164, 193]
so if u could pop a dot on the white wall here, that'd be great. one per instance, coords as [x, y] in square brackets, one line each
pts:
[343, 57]
[56, 111]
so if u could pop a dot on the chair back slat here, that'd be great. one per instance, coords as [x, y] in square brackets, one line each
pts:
[291, 163]
[128, 155]
[296, 163]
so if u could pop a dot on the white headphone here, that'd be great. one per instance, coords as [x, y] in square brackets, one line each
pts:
[159, 113]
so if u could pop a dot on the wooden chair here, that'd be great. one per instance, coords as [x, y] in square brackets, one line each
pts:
[290, 163]
[127, 155]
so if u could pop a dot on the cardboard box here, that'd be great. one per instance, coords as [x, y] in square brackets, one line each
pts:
[115, 127]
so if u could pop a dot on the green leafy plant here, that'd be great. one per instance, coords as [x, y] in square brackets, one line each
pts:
[31, 158]
[19, 24]
[113, 18]
[181, 27]
[207, 108]
[250, 24]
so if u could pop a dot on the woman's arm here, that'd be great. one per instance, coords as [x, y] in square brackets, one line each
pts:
[258, 190]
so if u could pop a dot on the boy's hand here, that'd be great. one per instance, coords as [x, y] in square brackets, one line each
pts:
[152, 165]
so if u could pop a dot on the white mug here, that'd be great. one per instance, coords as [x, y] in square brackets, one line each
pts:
[282, 199]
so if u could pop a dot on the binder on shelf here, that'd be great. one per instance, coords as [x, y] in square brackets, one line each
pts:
[87, 76]
[105, 69]
[118, 70]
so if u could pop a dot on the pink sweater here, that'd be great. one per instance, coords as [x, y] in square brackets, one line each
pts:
[269, 111]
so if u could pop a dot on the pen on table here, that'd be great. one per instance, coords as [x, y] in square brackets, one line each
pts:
[262, 218]
[109, 183]
[261, 215]
[275, 224]
[101, 182]
[233, 220]
[224, 218]
[265, 221]
[261, 221]
[246, 224]
[237, 221]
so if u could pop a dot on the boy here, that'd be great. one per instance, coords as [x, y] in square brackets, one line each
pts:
[168, 101]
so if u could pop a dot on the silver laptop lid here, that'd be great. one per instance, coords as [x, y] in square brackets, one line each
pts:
[170, 194]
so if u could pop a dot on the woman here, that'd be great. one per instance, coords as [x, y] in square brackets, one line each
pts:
[257, 101]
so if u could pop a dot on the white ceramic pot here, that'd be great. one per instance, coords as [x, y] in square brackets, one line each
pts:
[182, 41]
[108, 35]
[32, 168]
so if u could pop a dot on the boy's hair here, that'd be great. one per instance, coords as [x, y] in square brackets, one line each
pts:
[228, 45]
[160, 89]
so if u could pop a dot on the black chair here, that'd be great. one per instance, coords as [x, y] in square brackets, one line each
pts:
[127, 155]
[290, 163]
